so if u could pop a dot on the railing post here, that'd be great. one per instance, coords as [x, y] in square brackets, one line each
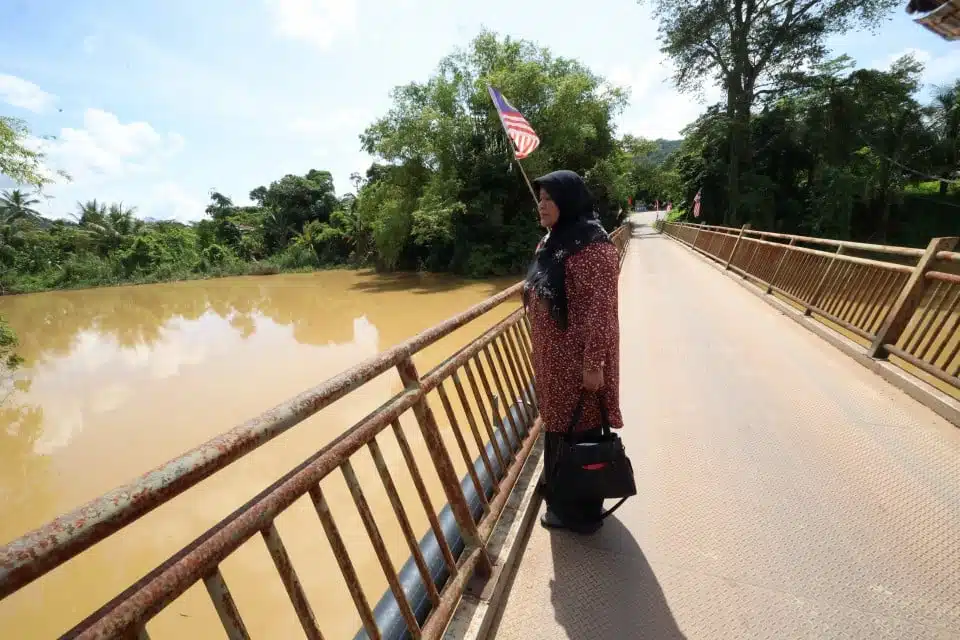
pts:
[780, 262]
[444, 466]
[815, 298]
[694, 243]
[736, 244]
[909, 298]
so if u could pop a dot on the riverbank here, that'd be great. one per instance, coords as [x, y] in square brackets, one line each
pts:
[32, 284]
[67, 279]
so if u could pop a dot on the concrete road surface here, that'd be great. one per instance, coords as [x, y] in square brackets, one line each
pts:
[785, 491]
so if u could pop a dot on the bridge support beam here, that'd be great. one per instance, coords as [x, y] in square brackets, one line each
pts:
[909, 298]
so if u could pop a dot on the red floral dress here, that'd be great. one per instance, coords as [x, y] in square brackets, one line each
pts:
[592, 339]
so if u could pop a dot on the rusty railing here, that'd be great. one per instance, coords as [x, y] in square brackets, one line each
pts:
[493, 370]
[895, 301]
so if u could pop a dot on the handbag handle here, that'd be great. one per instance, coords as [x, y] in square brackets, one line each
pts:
[578, 413]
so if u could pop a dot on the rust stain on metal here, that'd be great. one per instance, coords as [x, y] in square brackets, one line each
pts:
[462, 446]
[446, 368]
[380, 549]
[444, 466]
[226, 606]
[477, 438]
[404, 521]
[424, 497]
[281, 560]
[346, 565]
[508, 415]
[482, 410]
[948, 256]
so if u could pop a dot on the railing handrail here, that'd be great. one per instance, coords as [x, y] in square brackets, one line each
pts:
[904, 310]
[912, 252]
[948, 256]
[895, 266]
[37, 552]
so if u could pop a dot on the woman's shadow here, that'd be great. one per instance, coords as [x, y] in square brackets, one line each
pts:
[603, 587]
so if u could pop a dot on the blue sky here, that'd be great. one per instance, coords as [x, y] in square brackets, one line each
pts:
[157, 103]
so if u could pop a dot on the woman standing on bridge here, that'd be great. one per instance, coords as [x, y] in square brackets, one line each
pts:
[571, 299]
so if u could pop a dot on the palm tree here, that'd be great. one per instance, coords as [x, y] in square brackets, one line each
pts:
[109, 226]
[277, 228]
[90, 211]
[15, 205]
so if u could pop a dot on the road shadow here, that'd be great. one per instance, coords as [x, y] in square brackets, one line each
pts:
[604, 588]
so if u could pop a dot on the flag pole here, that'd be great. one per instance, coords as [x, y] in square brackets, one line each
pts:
[513, 147]
[533, 193]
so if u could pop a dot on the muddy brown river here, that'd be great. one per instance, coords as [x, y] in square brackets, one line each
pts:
[119, 380]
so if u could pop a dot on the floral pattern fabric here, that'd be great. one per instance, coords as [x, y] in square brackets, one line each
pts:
[592, 340]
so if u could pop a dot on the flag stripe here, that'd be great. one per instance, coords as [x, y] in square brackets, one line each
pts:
[524, 138]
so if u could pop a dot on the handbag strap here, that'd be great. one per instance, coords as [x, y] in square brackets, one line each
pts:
[611, 510]
[578, 413]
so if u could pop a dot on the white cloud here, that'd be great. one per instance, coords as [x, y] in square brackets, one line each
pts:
[936, 69]
[319, 22]
[657, 109]
[333, 122]
[168, 200]
[116, 161]
[25, 94]
[106, 148]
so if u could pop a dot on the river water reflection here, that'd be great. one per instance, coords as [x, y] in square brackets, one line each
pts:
[119, 380]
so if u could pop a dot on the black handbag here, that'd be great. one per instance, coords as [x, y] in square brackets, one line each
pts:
[594, 469]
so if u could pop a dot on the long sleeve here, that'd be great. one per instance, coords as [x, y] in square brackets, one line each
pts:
[592, 338]
[595, 273]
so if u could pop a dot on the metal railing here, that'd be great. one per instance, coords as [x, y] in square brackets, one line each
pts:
[899, 301]
[497, 368]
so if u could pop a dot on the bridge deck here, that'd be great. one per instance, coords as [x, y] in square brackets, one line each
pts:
[785, 491]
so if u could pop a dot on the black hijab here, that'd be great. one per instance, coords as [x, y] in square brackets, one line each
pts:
[576, 228]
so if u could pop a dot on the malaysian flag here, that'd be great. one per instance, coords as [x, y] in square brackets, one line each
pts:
[524, 138]
[696, 204]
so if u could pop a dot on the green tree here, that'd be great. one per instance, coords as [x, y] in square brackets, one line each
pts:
[836, 155]
[450, 197]
[15, 205]
[18, 162]
[110, 226]
[944, 114]
[748, 47]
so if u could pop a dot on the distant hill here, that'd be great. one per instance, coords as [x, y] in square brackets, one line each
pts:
[666, 147]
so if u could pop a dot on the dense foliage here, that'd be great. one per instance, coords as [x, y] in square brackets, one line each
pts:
[850, 154]
[804, 143]
[445, 194]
